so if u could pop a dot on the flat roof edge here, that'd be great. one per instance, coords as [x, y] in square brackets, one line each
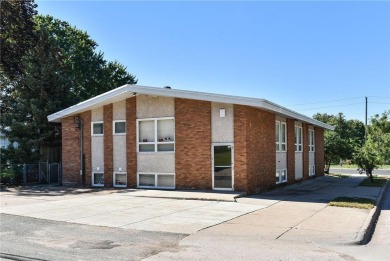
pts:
[146, 90]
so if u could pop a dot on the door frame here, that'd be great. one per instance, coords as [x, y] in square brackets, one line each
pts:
[212, 164]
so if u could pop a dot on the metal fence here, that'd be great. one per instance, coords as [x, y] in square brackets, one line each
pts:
[43, 172]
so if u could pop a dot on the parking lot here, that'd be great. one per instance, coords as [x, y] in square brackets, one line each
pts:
[124, 210]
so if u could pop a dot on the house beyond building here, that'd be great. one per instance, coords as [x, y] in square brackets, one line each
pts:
[147, 137]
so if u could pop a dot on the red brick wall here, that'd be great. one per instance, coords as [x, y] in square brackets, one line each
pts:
[108, 145]
[240, 148]
[193, 144]
[71, 150]
[290, 151]
[86, 117]
[305, 144]
[131, 141]
[319, 151]
[254, 154]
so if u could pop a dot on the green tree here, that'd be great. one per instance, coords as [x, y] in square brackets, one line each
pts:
[89, 72]
[40, 90]
[340, 143]
[376, 149]
[59, 70]
[16, 34]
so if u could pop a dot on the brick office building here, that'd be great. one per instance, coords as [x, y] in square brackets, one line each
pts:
[147, 137]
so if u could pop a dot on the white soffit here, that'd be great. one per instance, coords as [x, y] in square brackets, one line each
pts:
[128, 91]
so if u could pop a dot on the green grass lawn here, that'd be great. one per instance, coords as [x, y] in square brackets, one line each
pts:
[352, 166]
[378, 182]
[349, 202]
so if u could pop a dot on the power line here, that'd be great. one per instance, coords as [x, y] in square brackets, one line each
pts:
[331, 106]
[354, 98]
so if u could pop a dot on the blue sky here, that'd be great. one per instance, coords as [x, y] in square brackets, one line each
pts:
[301, 54]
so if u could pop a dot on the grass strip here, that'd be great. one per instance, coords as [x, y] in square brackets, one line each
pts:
[378, 182]
[349, 202]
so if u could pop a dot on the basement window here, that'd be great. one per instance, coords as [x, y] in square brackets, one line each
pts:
[97, 128]
[120, 179]
[156, 180]
[97, 179]
[312, 171]
[281, 176]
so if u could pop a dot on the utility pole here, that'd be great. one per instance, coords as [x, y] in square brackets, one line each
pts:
[365, 132]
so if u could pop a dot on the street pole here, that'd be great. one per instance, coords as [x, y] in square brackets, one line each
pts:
[365, 132]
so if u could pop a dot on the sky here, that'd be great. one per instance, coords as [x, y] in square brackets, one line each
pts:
[308, 56]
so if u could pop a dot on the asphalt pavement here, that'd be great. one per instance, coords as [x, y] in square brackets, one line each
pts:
[349, 171]
[26, 238]
[290, 223]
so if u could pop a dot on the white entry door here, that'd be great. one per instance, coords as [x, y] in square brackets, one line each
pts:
[222, 161]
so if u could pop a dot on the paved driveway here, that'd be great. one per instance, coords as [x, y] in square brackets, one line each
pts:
[123, 210]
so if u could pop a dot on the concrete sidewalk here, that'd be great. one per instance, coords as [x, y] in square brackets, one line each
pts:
[302, 211]
[295, 224]
[297, 211]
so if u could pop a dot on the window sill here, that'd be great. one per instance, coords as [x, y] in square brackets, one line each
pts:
[154, 152]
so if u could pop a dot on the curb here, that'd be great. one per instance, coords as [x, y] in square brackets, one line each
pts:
[365, 233]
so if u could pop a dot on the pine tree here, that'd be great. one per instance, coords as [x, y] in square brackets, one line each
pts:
[42, 89]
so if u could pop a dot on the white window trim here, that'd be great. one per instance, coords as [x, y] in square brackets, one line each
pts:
[93, 179]
[155, 179]
[113, 180]
[156, 142]
[113, 128]
[280, 171]
[312, 147]
[97, 135]
[297, 145]
[279, 142]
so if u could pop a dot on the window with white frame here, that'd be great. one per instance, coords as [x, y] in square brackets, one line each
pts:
[280, 136]
[281, 176]
[312, 171]
[156, 135]
[120, 179]
[97, 179]
[97, 128]
[119, 127]
[156, 180]
[298, 139]
[311, 140]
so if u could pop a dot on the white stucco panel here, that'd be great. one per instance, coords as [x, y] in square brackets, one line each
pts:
[281, 160]
[97, 114]
[311, 158]
[119, 152]
[156, 162]
[298, 165]
[119, 110]
[222, 128]
[155, 106]
[97, 151]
